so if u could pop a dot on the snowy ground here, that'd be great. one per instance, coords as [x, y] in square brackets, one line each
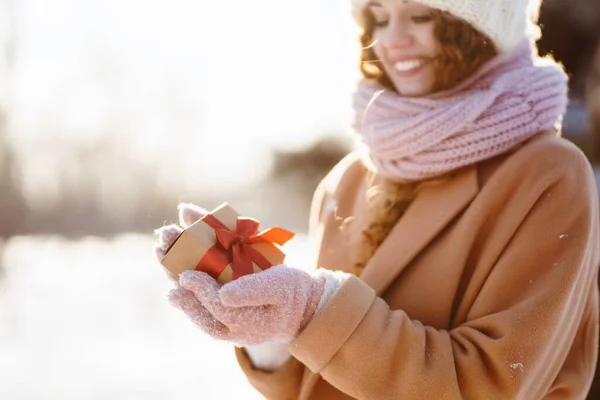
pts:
[89, 320]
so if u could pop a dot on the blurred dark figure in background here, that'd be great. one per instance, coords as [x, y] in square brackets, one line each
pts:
[571, 33]
[593, 97]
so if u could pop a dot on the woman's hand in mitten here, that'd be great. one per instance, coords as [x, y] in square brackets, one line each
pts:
[270, 306]
[166, 235]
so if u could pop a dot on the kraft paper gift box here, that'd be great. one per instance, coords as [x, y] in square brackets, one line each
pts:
[226, 246]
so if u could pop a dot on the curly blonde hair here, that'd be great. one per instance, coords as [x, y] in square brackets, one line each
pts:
[463, 50]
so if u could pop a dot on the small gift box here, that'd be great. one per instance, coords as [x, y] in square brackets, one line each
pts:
[226, 246]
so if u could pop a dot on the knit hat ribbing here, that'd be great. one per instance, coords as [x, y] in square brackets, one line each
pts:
[505, 22]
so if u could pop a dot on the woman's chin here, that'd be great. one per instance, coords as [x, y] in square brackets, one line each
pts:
[413, 91]
[417, 86]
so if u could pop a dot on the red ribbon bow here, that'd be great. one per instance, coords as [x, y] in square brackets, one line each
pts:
[235, 247]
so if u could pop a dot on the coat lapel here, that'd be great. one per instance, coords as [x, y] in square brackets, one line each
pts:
[433, 208]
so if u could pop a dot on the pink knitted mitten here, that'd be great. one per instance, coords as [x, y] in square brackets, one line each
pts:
[188, 214]
[270, 306]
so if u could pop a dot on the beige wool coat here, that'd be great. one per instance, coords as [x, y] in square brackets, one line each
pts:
[485, 289]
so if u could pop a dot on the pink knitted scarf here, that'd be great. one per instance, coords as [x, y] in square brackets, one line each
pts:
[509, 100]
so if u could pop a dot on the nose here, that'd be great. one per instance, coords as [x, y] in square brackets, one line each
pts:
[396, 36]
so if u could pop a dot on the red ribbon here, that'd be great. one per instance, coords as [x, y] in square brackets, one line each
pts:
[235, 247]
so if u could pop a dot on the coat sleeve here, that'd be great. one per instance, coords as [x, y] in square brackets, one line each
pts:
[517, 333]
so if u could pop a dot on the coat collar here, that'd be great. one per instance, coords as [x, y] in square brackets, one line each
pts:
[434, 207]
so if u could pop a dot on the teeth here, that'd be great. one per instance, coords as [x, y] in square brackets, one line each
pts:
[407, 65]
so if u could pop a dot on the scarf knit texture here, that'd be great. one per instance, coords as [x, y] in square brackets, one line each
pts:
[508, 101]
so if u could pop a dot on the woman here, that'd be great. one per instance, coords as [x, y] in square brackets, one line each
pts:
[458, 250]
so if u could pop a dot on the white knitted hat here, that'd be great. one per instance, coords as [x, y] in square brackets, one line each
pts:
[505, 22]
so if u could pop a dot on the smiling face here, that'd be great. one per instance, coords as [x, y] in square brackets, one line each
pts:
[416, 50]
[405, 44]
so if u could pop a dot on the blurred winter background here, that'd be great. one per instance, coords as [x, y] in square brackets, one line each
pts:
[114, 111]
